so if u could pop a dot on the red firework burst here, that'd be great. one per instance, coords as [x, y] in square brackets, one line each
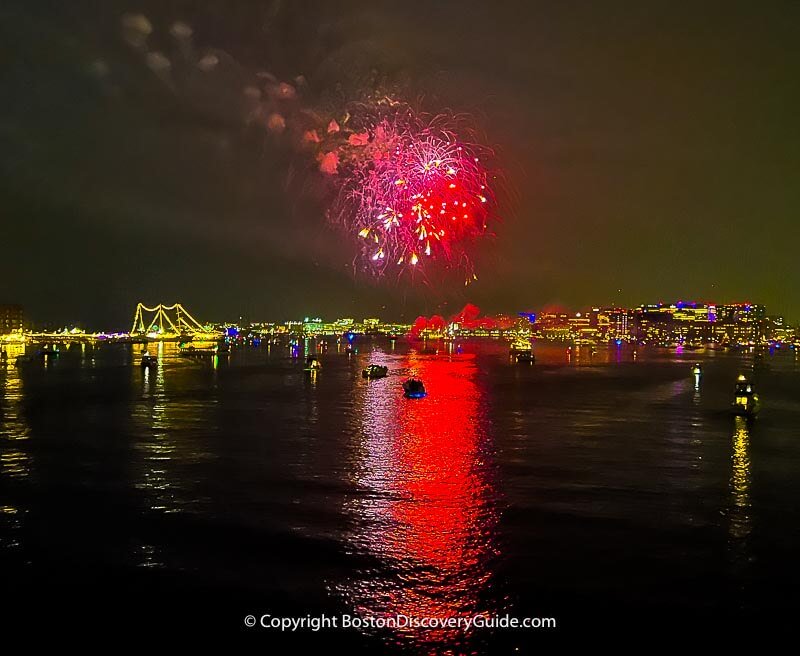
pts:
[414, 193]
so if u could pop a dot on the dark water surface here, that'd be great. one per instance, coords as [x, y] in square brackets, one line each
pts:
[604, 491]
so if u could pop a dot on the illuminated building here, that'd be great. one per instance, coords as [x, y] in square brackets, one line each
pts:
[583, 327]
[614, 324]
[371, 325]
[312, 326]
[11, 317]
[741, 323]
[554, 326]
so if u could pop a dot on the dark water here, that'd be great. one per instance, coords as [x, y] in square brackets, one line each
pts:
[604, 491]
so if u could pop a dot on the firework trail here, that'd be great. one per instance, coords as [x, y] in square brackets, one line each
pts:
[411, 189]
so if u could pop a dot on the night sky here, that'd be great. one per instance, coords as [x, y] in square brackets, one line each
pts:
[652, 152]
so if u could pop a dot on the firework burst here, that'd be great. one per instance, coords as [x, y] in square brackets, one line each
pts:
[413, 192]
[412, 189]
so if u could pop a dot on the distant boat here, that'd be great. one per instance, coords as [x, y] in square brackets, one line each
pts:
[204, 351]
[746, 401]
[148, 361]
[375, 371]
[413, 388]
[312, 364]
[520, 346]
[525, 357]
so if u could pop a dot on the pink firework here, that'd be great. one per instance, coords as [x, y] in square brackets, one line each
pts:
[413, 193]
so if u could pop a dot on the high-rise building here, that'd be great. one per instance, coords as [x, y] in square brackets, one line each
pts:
[615, 323]
[10, 319]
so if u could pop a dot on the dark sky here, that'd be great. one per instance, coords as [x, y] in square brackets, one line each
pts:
[653, 151]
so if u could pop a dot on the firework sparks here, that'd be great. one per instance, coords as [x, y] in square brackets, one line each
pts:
[413, 193]
[409, 188]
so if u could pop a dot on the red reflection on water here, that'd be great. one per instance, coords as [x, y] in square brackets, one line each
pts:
[428, 513]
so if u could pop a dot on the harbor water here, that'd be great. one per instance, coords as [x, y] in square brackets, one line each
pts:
[604, 488]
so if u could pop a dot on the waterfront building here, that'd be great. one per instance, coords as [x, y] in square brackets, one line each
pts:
[615, 324]
[553, 326]
[11, 319]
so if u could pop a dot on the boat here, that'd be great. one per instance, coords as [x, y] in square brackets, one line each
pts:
[393, 337]
[375, 371]
[349, 350]
[194, 351]
[312, 364]
[525, 357]
[148, 361]
[697, 372]
[413, 388]
[520, 346]
[746, 401]
[428, 350]
[204, 351]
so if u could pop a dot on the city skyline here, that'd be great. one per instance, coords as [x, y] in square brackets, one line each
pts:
[666, 174]
[654, 323]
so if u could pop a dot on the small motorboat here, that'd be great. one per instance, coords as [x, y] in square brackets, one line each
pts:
[375, 371]
[197, 352]
[520, 346]
[413, 388]
[148, 361]
[349, 350]
[312, 363]
[525, 357]
[746, 401]
[697, 372]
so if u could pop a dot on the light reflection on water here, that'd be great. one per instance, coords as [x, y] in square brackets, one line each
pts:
[542, 484]
[425, 508]
[740, 515]
[740, 519]
[14, 431]
[165, 445]
[16, 463]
